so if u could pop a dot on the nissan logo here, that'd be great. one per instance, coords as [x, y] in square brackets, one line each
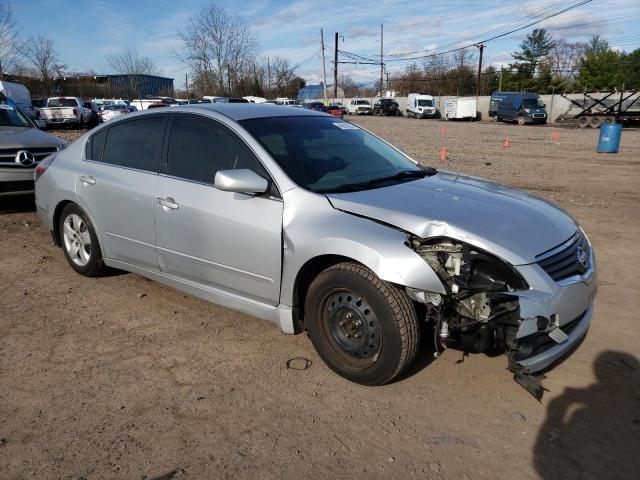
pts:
[583, 257]
[25, 158]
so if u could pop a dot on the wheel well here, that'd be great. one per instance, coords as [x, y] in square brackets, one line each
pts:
[56, 221]
[306, 275]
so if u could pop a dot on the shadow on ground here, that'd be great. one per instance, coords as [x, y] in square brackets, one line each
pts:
[594, 432]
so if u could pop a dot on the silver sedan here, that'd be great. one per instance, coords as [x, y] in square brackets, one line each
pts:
[320, 226]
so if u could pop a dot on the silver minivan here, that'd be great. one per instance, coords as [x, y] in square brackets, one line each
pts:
[314, 223]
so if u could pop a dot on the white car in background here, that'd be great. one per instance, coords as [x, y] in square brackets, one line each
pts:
[112, 111]
[359, 106]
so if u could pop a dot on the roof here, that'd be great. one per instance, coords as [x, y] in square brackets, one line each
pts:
[244, 111]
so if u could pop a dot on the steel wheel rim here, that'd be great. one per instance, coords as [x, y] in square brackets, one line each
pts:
[77, 241]
[351, 328]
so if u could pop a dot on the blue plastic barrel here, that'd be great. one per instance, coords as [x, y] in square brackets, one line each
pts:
[609, 140]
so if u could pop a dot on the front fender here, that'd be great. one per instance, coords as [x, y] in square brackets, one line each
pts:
[313, 228]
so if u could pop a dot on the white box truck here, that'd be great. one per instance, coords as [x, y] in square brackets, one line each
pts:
[421, 105]
[460, 108]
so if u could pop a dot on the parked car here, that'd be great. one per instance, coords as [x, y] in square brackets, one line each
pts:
[318, 225]
[157, 105]
[340, 105]
[387, 107]
[96, 114]
[112, 111]
[517, 107]
[359, 106]
[20, 95]
[65, 111]
[22, 147]
[287, 102]
[334, 110]
[421, 105]
[316, 106]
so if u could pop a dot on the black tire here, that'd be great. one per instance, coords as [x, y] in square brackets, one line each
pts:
[95, 266]
[348, 293]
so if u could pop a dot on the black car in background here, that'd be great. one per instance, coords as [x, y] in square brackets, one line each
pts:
[387, 107]
[316, 106]
[95, 118]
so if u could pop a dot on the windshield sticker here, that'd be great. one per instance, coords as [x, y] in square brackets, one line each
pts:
[4, 106]
[346, 126]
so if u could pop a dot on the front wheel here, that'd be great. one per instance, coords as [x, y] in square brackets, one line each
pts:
[364, 329]
[521, 120]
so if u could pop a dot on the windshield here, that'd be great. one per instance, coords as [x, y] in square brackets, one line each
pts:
[425, 103]
[324, 154]
[532, 103]
[11, 117]
[362, 102]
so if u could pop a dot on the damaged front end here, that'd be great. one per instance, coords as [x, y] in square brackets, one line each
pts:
[481, 310]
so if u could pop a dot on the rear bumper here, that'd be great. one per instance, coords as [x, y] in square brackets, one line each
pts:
[61, 121]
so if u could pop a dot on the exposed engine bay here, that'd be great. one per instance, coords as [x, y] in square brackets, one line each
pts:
[478, 313]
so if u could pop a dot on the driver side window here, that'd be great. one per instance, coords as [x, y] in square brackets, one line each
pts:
[199, 147]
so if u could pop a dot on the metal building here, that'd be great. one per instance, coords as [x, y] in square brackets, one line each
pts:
[313, 92]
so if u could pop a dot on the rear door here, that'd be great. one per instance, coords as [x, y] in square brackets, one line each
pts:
[116, 186]
[221, 240]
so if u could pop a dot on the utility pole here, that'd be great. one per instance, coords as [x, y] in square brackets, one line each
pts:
[500, 80]
[324, 66]
[268, 77]
[335, 69]
[186, 83]
[481, 47]
[381, 61]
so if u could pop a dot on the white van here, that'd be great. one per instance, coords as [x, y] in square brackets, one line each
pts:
[421, 105]
[20, 95]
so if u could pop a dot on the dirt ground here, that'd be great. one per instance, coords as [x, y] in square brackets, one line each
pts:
[121, 377]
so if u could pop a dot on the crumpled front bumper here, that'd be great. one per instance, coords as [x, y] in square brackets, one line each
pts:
[566, 305]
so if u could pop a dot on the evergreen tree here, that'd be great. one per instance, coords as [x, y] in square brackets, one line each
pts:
[600, 67]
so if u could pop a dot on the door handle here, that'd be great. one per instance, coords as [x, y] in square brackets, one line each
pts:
[88, 180]
[169, 203]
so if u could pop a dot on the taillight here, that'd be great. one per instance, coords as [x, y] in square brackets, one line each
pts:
[75, 111]
[43, 165]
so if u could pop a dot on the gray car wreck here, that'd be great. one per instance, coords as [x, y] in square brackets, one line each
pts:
[320, 226]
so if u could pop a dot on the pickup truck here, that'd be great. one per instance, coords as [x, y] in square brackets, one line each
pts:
[65, 111]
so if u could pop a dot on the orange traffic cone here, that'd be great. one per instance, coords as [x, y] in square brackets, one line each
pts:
[443, 130]
[443, 153]
[506, 143]
[556, 136]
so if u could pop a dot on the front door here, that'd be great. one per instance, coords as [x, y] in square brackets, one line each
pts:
[220, 240]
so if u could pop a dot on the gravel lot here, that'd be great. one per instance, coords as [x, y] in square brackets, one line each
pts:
[121, 377]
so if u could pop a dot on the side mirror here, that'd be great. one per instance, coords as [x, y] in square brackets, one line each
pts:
[241, 180]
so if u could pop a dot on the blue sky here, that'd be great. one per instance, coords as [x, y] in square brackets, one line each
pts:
[86, 31]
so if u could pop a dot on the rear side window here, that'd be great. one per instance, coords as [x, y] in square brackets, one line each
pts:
[136, 143]
[95, 145]
[199, 147]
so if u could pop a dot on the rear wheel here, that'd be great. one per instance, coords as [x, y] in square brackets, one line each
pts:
[364, 329]
[80, 242]
[521, 120]
[595, 122]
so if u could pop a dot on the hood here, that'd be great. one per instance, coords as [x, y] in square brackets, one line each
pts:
[509, 223]
[16, 137]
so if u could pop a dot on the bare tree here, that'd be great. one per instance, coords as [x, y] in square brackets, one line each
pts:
[219, 48]
[39, 50]
[9, 46]
[129, 62]
[565, 56]
[282, 73]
